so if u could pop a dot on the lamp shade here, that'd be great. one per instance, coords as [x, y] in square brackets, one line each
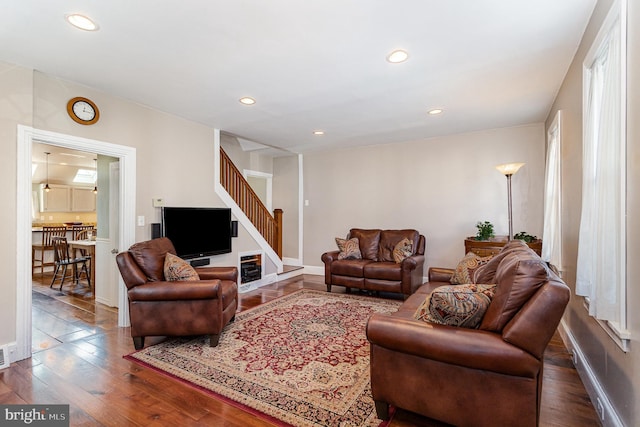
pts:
[509, 168]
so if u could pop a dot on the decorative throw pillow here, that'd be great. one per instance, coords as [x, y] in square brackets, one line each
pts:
[175, 268]
[466, 268]
[402, 250]
[456, 305]
[349, 249]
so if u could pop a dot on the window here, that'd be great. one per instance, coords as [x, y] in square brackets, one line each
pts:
[86, 176]
[552, 235]
[601, 267]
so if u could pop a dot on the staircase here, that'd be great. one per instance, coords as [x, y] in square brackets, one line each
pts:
[269, 226]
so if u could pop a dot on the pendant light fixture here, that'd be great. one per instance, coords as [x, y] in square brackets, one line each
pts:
[46, 187]
[95, 188]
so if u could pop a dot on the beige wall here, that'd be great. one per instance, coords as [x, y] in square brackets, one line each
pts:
[617, 372]
[285, 197]
[16, 106]
[174, 159]
[439, 186]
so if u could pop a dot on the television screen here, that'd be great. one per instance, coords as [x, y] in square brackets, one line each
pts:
[198, 232]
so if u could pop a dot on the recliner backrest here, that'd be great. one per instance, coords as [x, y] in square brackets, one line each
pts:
[535, 323]
[149, 255]
[390, 238]
[369, 240]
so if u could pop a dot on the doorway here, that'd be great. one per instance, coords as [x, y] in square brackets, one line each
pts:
[126, 214]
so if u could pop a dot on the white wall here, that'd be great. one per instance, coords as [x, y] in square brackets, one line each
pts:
[439, 186]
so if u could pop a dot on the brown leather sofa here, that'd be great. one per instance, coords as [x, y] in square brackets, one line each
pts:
[377, 270]
[491, 376]
[162, 308]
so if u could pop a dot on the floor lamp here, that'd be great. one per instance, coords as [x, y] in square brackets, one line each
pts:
[508, 169]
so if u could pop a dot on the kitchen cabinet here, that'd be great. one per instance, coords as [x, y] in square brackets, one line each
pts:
[65, 198]
[57, 199]
[83, 199]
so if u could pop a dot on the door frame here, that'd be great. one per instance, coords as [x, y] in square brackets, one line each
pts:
[126, 218]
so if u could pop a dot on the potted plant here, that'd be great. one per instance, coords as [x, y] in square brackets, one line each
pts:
[485, 230]
[528, 238]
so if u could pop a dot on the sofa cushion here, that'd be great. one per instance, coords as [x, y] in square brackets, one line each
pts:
[465, 269]
[349, 267]
[456, 305]
[390, 238]
[486, 272]
[402, 250]
[149, 255]
[383, 270]
[177, 269]
[369, 241]
[518, 276]
[349, 249]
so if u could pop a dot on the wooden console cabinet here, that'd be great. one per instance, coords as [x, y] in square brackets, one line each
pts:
[494, 245]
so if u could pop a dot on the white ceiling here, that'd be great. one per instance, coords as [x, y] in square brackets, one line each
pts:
[311, 64]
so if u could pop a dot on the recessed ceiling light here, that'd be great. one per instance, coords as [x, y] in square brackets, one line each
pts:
[397, 56]
[247, 101]
[435, 111]
[318, 132]
[81, 21]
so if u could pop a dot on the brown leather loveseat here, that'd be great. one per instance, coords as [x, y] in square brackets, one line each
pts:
[161, 308]
[490, 376]
[377, 270]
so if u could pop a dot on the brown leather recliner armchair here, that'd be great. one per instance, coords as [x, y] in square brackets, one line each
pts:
[161, 308]
[491, 376]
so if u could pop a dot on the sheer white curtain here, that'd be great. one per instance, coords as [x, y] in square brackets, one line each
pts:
[551, 233]
[600, 254]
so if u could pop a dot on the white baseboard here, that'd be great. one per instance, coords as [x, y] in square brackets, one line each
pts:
[251, 286]
[606, 412]
[314, 270]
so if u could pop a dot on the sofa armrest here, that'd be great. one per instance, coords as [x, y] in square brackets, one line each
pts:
[221, 273]
[329, 257]
[439, 274]
[174, 291]
[412, 262]
[471, 348]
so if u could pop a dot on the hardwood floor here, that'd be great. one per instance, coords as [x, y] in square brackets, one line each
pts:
[77, 360]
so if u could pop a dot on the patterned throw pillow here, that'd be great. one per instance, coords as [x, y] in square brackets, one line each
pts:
[349, 249]
[175, 268]
[403, 249]
[466, 268]
[456, 305]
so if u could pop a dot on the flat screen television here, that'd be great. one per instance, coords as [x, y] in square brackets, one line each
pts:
[197, 232]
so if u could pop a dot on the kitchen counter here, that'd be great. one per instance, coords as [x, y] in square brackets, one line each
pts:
[38, 227]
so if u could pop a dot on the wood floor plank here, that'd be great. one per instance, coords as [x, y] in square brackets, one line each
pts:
[83, 366]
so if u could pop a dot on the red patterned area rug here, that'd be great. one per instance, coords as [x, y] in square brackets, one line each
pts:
[302, 360]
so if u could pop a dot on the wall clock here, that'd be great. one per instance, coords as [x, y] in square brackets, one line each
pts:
[83, 110]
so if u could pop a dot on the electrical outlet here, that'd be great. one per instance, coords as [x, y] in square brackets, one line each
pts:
[140, 220]
[599, 408]
[158, 203]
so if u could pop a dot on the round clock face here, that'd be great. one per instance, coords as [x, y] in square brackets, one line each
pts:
[83, 111]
